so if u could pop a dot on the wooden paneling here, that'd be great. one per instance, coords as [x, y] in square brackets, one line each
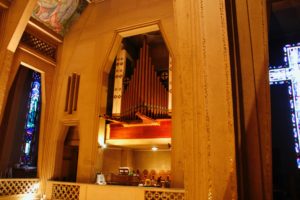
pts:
[117, 131]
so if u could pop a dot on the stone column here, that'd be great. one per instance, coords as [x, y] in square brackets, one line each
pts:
[203, 100]
[253, 66]
[6, 59]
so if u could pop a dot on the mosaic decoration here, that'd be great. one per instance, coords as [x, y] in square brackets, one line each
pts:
[15, 187]
[65, 192]
[290, 74]
[162, 195]
[58, 14]
[32, 121]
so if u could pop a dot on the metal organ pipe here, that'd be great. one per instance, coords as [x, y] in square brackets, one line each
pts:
[144, 93]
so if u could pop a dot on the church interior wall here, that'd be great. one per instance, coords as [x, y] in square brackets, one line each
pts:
[112, 159]
[84, 51]
[204, 129]
[157, 161]
[139, 160]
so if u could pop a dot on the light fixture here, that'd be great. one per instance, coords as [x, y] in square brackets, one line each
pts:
[154, 148]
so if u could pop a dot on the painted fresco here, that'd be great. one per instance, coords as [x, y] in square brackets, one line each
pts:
[58, 14]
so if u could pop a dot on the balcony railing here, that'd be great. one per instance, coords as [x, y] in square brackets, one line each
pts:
[77, 191]
[19, 187]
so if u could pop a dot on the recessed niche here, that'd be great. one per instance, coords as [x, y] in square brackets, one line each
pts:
[20, 126]
[139, 111]
[70, 155]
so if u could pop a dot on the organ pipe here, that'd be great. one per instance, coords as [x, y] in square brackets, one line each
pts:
[145, 92]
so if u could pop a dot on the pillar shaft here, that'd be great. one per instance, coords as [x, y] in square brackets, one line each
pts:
[202, 87]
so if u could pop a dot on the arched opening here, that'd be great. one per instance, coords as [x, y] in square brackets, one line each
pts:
[70, 155]
[20, 126]
[137, 136]
[67, 153]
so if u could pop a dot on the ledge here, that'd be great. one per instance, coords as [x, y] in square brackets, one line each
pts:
[87, 191]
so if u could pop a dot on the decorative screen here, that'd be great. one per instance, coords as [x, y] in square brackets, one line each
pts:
[31, 128]
[290, 74]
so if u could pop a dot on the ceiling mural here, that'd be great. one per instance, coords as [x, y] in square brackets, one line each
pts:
[58, 14]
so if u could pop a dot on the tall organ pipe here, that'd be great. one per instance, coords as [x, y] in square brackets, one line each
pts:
[144, 93]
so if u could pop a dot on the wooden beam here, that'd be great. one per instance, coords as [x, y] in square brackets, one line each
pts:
[4, 4]
[33, 23]
[36, 54]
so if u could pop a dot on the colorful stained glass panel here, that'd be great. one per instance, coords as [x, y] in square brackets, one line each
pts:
[290, 74]
[31, 127]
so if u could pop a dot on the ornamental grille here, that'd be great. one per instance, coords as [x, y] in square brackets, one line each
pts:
[162, 195]
[39, 45]
[15, 187]
[65, 192]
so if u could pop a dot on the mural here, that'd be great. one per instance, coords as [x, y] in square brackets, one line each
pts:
[58, 14]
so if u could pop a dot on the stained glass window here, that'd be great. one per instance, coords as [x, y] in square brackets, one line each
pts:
[290, 74]
[31, 128]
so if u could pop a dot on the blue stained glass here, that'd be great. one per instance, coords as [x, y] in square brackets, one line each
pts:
[32, 120]
[290, 90]
[293, 118]
[292, 103]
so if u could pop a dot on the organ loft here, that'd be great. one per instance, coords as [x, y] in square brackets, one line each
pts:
[146, 89]
[110, 99]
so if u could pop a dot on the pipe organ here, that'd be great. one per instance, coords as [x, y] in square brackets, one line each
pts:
[144, 94]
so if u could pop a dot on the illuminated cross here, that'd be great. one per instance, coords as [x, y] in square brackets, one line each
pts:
[291, 72]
